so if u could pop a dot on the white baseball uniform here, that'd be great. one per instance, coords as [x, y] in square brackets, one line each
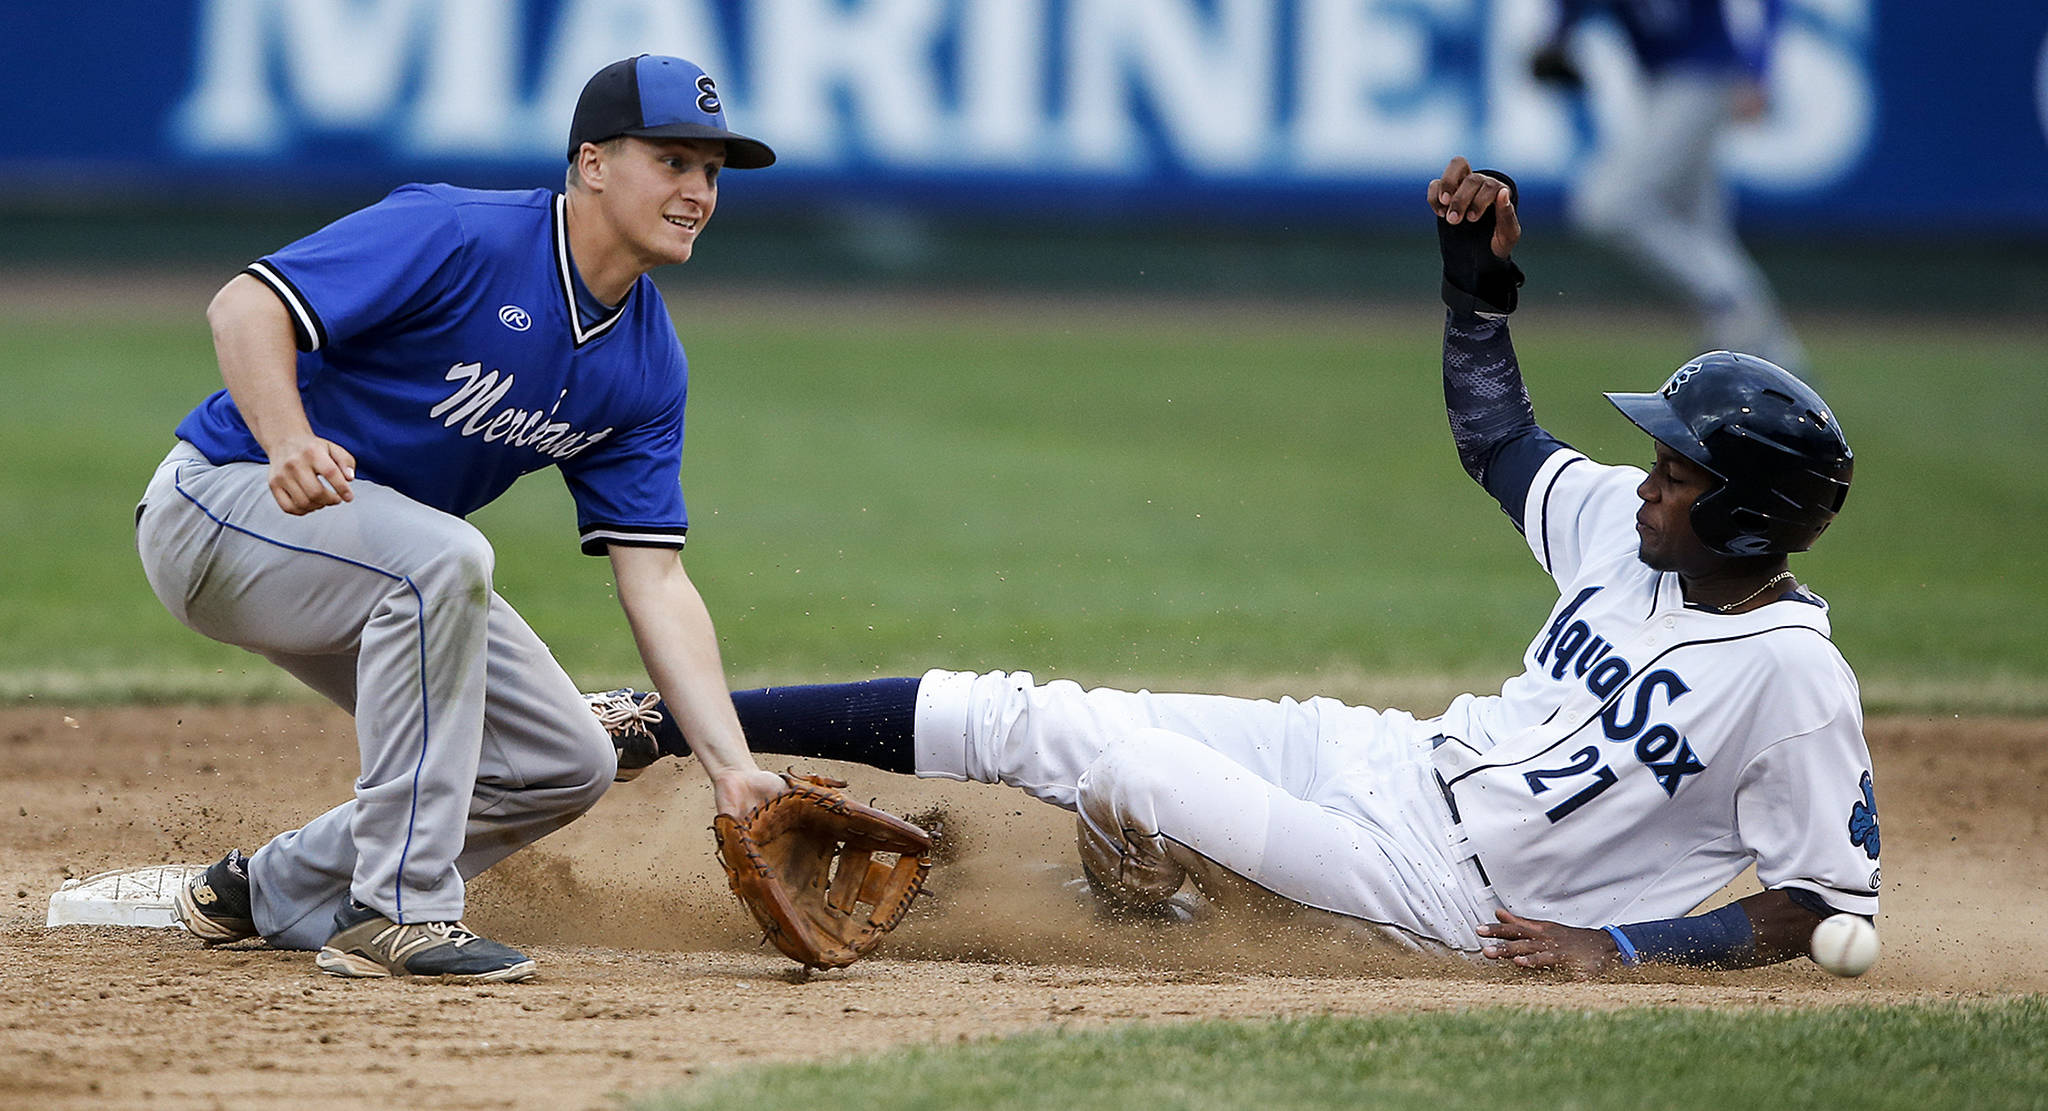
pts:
[1646, 755]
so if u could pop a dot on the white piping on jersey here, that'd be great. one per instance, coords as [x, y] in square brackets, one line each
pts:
[653, 537]
[302, 313]
[568, 281]
[1581, 716]
[1548, 489]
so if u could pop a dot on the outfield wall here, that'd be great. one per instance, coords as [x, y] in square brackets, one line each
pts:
[1320, 113]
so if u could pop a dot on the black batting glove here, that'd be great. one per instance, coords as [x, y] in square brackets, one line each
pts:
[1475, 279]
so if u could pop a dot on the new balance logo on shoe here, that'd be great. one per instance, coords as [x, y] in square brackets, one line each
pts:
[215, 904]
[367, 944]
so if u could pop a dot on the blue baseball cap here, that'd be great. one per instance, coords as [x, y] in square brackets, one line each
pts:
[657, 97]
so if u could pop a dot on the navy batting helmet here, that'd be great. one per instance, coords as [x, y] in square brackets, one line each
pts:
[1782, 462]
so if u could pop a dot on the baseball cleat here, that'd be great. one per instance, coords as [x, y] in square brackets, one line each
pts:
[214, 905]
[630, 717]
[366, 944]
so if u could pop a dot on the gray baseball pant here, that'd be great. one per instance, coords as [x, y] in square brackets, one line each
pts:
[474, 742]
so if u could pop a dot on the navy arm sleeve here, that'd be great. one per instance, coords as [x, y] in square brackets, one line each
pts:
[1492, 421]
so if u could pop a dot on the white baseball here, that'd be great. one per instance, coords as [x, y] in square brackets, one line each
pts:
[1845, 945]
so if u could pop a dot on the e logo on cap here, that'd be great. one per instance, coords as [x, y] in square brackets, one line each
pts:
[707, 101]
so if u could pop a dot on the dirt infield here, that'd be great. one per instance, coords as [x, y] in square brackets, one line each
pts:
[650, 972]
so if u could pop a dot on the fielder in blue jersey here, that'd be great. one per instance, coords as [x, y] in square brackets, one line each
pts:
[386, 376]
[1656, 189]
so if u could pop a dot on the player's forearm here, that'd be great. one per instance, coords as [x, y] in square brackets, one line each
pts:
[1764, 928]
[679, 646]
[1493, 422]
[252, 339]
[1483, 390]
[1782, 928]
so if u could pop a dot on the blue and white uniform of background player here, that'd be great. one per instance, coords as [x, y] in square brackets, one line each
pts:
[1656, 188]
[1681, 715]
[386, 376]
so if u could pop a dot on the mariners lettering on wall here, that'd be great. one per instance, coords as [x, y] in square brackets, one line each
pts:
[1307, 91]
[481, 389]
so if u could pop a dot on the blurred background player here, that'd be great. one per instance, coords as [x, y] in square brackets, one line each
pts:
[1656, 189]
[387, 376]
[1682, 714]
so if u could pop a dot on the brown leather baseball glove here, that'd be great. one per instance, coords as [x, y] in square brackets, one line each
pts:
[805, 863]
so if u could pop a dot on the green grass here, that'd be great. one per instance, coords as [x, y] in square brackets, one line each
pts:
[1178, 498]
[1915, 1058]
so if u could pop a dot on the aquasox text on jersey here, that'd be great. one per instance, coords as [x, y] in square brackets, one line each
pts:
[1571, 644]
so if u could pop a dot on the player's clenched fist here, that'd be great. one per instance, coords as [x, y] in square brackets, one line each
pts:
[307, 473]
[1477, 229]
[1463, 196]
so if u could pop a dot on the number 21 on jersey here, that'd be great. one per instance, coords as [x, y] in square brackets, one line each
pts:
[1659, 747]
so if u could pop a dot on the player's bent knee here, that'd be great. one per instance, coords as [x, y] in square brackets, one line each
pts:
[598, 771]
[1134, 777]
[471, 551]
[572, 792]
[591, 788]
[1138, 761]
[590, 766]
[574, 763]
[460, 570]
[1124, 849]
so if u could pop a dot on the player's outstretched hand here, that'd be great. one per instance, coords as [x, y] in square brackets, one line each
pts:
[1532, 943]
[742, 789]
[1462, 196]
[308, 473]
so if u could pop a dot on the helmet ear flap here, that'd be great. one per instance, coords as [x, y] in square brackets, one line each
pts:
[1726, 521]
[1783, 464]
[1713, 520]
[1762, 518]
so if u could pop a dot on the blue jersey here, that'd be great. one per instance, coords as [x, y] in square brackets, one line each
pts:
[440, 343]
[1703, 35]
